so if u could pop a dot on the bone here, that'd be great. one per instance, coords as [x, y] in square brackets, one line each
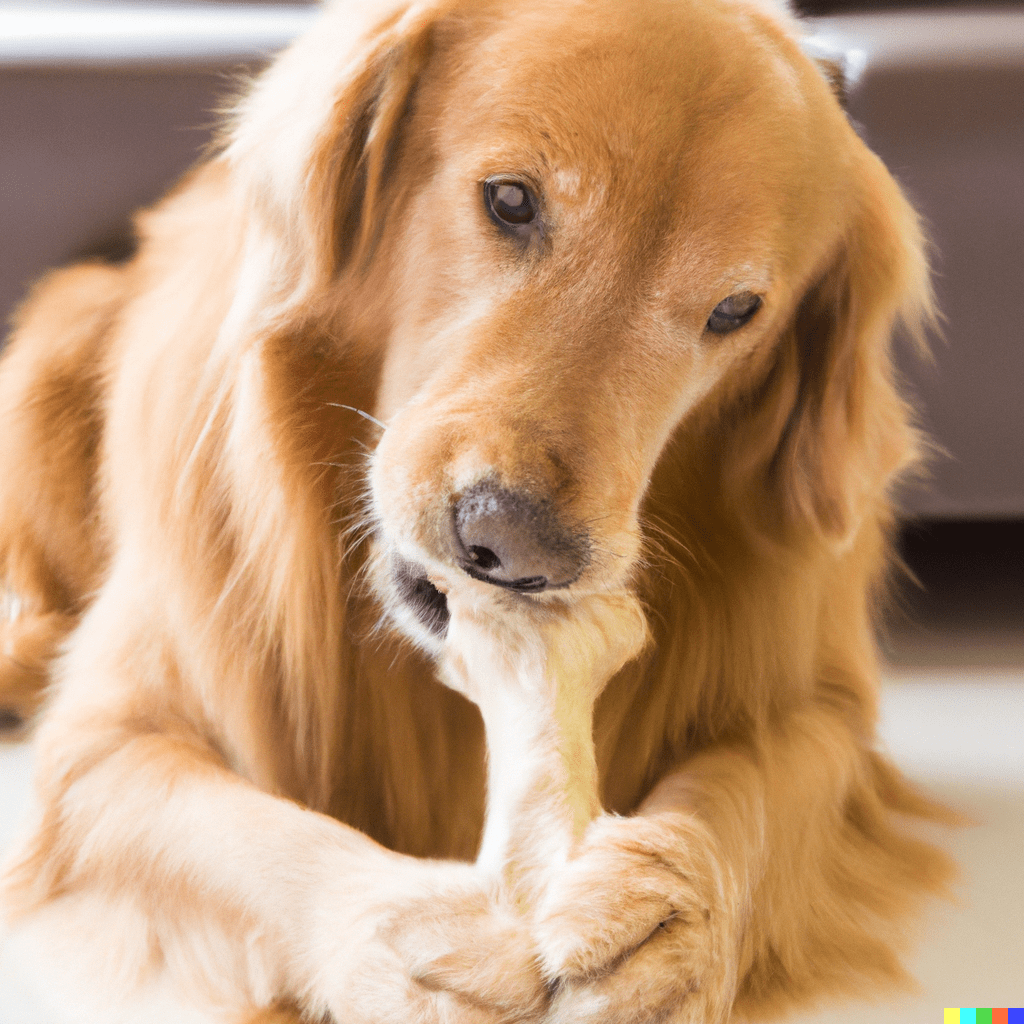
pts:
[536, 673]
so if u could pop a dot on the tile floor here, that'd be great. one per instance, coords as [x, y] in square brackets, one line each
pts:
[953, 718]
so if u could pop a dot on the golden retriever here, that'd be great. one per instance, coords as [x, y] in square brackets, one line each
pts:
[537, 348]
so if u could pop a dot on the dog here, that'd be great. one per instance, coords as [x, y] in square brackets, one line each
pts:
[511, 385]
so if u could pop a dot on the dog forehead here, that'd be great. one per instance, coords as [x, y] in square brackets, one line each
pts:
[706, 99]
[626, 73]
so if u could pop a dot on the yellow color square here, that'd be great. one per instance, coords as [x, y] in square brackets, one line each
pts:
[951, 1015]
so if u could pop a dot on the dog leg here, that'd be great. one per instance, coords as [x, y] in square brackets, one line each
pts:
[51, 554]
[702, 896]
[238, 892]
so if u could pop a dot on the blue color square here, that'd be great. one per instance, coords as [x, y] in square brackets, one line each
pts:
[1015, 1015]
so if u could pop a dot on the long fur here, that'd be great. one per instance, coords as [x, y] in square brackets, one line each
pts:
[194, 517]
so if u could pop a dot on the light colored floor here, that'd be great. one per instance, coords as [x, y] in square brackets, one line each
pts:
[960, 732]
[957, 729]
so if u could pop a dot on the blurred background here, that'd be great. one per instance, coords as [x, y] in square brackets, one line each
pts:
[104, 103]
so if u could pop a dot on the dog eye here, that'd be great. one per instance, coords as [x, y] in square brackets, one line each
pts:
[510, 203]
[733, 312]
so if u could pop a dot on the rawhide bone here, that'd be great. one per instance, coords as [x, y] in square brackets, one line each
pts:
[535, 671]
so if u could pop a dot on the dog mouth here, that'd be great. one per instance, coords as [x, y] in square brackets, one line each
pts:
[511, 540]
[421, 597]
[482, 562]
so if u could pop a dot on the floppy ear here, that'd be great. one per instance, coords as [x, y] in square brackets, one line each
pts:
[311, 144]
[842, 430]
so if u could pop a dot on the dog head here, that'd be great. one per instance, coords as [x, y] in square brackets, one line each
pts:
[569, 233]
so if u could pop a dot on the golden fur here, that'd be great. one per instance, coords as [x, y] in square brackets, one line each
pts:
[240, 763]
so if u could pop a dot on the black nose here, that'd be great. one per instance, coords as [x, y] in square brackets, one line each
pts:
[512, 540]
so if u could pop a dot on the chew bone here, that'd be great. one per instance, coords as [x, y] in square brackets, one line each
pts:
[535, 671]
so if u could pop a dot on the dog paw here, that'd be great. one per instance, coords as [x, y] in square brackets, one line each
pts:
[639, 927]
[453, 955]
[480, 953]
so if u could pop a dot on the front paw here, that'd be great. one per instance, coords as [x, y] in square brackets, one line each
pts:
[448, 953]
[476, 952]
[640, 926]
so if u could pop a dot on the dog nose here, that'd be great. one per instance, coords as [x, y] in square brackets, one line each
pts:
[514, 541]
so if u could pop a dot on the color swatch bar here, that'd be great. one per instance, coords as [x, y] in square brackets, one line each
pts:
[983, 1015]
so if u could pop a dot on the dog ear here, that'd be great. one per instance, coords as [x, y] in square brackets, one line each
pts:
[841, 63]
[844, 430]
[311, 144]
[351, 170]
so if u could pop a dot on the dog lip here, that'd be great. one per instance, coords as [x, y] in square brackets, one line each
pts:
[425, 601]
[526, 585]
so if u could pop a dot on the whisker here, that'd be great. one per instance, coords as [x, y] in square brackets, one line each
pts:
[669, 548]
[358, 412]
